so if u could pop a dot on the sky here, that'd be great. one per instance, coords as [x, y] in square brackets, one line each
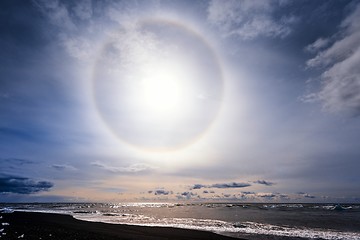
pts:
[159, 100]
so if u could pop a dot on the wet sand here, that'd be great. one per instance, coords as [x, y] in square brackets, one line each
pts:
[29, 225]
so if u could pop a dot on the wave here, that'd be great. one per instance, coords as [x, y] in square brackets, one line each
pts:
[6, 210]
[268, 229]
[222, 227]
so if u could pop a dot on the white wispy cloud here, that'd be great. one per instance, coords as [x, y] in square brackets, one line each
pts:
[249, 19]
[340, 90]
[134, 168]
[319, 44]
[83, 9]
[57, 12]
[67, 18]
[78, 47]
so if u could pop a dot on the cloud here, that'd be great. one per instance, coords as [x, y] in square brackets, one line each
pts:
[23, 185]
[306, 195]
[62, 167]
[162, 192]
[134, 168]
[78, 47]
[186, 195]
[17, 161]
[263, 182]
[284, 196]
[76, 41]
[249, 19]
[83, 9]
[17, 166]
[266, 195]
[340, 90]
[247, 193]
[221, 185]
[57, 13]
[319, 44]
[198, 186]
[230, 185]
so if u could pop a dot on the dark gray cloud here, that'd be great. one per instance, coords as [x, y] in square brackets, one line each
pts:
[63, 167]
[198, 186]
[23, 185]
[186, 195]
[221, 185]
[230, 185]
[284, 197]
[247, 193]
[17, 161]
[266, 195]
[306, 195]
[263, 182]
[162, 192]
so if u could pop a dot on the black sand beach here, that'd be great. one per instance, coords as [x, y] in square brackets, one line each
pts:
[30, 225]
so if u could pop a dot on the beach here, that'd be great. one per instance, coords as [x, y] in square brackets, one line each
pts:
[251, 221]
[32, 225]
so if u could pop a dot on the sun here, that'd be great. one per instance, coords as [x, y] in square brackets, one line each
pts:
[162, 90]
[157, 85]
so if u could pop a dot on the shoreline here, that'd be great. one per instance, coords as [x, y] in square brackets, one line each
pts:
[35, 225]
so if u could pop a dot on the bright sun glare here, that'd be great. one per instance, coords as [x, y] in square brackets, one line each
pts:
[161, 91]
[148, 83]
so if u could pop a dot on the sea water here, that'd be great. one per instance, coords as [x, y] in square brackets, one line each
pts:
[250, 221]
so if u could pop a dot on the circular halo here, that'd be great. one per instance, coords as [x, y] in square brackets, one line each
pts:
[158, 85]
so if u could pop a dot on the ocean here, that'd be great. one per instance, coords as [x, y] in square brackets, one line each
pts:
[241, 220]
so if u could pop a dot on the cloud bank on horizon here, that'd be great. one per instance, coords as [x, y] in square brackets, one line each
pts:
[180, 100]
